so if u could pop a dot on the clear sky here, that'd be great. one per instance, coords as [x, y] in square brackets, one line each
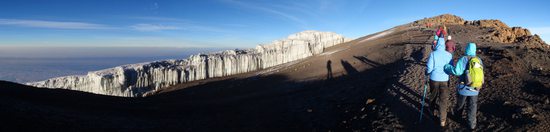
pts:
[232, 23]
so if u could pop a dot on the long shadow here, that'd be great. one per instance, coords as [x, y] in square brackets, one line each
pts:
[350, 70]
[405, 103]
[329, 69]
[266, 103]
[367, 61]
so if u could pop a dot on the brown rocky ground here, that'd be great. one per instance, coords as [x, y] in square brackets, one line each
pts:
[376, 86]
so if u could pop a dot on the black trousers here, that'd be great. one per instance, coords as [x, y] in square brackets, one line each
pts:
[439, 98]
[472, 108]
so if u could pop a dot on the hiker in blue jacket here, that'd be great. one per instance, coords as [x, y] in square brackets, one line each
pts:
[439, 91]
[465, 92]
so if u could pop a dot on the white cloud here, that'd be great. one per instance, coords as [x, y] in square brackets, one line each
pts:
[284, 15]
[153, 27]
[160, 19]
[52, 24]
[175, 24]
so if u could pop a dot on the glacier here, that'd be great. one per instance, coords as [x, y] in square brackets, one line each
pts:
[136, 80]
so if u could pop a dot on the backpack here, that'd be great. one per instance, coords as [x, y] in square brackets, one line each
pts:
[474, 76]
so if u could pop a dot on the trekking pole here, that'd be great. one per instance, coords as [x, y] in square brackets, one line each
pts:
[423, 97]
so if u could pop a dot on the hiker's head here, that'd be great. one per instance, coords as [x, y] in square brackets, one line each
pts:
[449, 37]
[471, 49]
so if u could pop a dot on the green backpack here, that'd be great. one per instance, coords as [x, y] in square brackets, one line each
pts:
[475, 73]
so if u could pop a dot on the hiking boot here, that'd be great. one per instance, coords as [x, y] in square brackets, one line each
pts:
[472, 126]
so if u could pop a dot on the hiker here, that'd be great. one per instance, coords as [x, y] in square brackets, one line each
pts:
[450, 45]
[469, 69]
[441, 32]
[439, 93]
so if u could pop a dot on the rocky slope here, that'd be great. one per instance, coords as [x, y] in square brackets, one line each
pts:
[135, 80]
[496, 30]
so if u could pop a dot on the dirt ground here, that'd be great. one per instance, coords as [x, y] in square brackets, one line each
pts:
[373, 83]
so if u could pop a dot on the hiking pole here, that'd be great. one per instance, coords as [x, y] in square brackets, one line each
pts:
[423, 97]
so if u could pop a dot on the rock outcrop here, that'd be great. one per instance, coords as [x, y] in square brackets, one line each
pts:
[135, 80]
[446, 19]
[499, 32]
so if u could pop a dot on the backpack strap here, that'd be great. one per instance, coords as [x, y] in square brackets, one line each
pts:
[469, 58]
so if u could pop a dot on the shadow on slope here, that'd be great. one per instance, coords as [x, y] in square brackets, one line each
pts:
[268, 103]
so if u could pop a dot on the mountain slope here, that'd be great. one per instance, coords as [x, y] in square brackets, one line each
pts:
[376, 84]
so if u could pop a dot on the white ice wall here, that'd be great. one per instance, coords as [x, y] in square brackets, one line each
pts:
[134, 80]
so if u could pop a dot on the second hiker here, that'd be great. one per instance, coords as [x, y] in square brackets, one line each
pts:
[469, 68]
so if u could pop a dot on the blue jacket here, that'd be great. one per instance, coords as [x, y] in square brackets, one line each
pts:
[461, 67]
[437, 60]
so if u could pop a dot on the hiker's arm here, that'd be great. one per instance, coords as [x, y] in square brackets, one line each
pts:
[430, 64]
[460, 66]
[458, 69]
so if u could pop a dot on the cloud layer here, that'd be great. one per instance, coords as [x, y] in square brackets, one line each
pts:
[152, 27]
[52, 24]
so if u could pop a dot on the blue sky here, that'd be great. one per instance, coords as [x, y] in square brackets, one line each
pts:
[231, 23]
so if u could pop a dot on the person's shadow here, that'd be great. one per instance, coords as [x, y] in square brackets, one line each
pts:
[329, 69]
[348, 67]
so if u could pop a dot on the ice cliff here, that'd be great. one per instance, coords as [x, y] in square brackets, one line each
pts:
[134, 80]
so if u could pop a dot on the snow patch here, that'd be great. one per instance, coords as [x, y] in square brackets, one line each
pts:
[382, 34]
